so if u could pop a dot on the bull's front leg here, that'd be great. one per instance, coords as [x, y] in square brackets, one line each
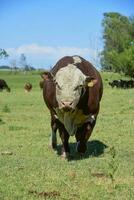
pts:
[83, 135]
[64, 138]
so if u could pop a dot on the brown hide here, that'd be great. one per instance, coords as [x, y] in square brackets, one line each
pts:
[49, 93]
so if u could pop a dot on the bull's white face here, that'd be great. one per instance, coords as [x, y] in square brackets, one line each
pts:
[69, 83]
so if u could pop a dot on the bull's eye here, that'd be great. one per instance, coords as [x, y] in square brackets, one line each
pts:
[78, 87]
[57, 85]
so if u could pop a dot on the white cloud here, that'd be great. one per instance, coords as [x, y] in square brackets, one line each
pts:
[42, 55]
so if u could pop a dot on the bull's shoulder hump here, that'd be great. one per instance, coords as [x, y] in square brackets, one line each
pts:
[63, 62]
[85, 66]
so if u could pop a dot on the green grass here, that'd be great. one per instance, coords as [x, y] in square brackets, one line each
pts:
[29, 170]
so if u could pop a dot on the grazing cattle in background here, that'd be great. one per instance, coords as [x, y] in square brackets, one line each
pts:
[130, 83]
[114, 83]
[3, 85]
[125, 84]
[72, 91]
[28, 87]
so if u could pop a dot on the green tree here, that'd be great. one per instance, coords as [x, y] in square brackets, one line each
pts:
[118, 35]
[3, 53]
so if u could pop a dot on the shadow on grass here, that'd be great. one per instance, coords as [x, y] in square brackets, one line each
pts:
[95, 148]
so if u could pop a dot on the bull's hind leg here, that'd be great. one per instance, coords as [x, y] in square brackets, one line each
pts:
[83, 135]
[81, 140]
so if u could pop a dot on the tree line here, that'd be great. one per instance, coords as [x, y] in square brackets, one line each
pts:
[13, 63]
[118, 51]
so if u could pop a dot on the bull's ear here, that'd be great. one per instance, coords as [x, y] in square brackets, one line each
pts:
[47, 75]
[90, 81]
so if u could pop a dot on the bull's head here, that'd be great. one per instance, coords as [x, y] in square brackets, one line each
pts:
[70, 83]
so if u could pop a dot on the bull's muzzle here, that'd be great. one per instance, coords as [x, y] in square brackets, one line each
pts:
[66, 105]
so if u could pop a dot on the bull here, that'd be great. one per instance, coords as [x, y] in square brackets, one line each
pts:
[72, 91]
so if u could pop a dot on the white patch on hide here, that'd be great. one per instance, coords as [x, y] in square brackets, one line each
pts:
[69, 78]
[77, 59]
[72, 120]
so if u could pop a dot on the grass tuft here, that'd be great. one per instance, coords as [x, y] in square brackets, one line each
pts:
[6, 109]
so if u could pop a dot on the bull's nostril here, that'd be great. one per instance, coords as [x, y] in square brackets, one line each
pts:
[66, 103]
[63, 103]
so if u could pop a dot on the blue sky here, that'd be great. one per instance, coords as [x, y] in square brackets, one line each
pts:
[46, 30]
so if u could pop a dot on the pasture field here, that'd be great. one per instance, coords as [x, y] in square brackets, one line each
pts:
[30, 170]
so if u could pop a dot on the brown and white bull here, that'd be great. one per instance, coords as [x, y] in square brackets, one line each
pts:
[72, 91]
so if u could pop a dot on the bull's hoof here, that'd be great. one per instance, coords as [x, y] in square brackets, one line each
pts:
[81, 147]
[53, 146]
[65, 155]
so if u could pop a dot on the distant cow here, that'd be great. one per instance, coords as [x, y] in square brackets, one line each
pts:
[72, 91]
[28, 87]
[3, 85]
[114, 83]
